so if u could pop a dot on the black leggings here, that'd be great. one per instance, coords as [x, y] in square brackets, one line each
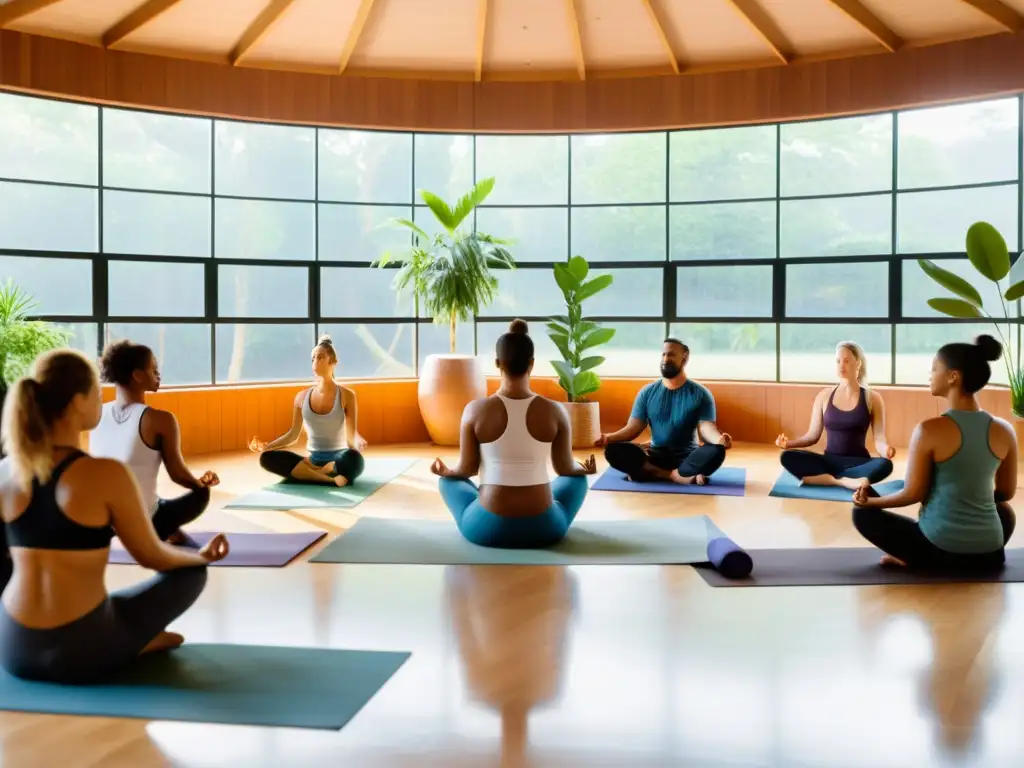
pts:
[801, 464]
[347, 462]
[172, 514]
[629, 458]
[902, 538]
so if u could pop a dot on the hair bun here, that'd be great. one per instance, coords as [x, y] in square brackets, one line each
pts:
[326, 340]
[519, 326]
[990, 349]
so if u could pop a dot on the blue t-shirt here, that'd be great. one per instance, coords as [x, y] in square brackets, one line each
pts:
[673, 414]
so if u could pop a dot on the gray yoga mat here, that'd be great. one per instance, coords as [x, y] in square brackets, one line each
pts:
[834, 566]
[671, 540]
[230, 684]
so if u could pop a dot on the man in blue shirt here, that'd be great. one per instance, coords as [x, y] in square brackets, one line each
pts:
[675, 408]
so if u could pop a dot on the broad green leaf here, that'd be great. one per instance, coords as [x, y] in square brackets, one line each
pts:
[987, 251]
[440, 210]
[562, 344]
[559, 329]
[954, 307]
[566, 280]
[589, 363]
[579, 268]
[591, 287]
[596, 338]
[563, 319]
[583, 327]
[951, 282]
[472, 199]
[1015, 291]
[586, 382]
[565, 372]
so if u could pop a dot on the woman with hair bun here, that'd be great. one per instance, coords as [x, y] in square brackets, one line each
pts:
[508, 438]
[962, 467]
[328, 413]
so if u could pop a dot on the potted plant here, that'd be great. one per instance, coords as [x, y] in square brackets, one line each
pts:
[22, 340]
[575, 338]
[450, 275]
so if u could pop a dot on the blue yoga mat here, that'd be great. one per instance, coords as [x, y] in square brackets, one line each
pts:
[230, 684]
[788, 487]
[728, 481]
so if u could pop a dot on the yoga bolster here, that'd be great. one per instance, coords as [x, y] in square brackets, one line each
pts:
[728, 558]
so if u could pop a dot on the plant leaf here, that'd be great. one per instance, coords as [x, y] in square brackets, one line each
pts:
[471, 200]
[579, 268]
[441, 211]
[598, 337]
[954, 307]
[565, 372]
[1015, 291]
[562, 343]
[588, 363]
[987, 251]
[587, 382]
[558, 329]
[591, 287]
[951, 282]
[566, 280]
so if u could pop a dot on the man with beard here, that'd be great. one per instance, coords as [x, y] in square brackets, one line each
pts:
[675, 408]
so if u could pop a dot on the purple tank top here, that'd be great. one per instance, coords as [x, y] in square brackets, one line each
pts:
[846, 431]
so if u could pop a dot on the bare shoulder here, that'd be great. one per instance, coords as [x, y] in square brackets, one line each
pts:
[876, 397]
[300, 396]
[1003, 425]
[346, 391]
[162, 419]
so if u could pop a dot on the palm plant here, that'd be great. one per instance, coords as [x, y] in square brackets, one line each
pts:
[22, 340]
[450, 273]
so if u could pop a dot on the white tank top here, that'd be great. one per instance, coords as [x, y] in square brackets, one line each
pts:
[118, 436]
[516, 458]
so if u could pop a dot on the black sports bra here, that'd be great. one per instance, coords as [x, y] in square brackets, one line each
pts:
[43, 525]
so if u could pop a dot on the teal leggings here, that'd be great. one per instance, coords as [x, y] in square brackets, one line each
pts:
[487, 529]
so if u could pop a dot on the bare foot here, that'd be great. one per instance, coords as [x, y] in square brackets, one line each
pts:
[328, 468]
[341, 481]
[892, 561]
[853, 483]
[165, 641]
[675, 477]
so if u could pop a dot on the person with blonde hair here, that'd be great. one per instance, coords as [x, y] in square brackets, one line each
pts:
[844, 413]
[328, 413]
[60, 509]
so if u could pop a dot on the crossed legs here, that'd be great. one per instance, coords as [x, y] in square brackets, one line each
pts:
[329, 468]
[829, 469]
[640, 465]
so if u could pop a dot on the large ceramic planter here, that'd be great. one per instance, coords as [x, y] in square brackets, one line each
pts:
[3, 397]
[448, 383]
[584, 423]
[1018, 428]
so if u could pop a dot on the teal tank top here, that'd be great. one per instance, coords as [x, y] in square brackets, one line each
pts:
[959, 515]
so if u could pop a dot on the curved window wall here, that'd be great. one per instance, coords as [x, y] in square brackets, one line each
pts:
[228, 246]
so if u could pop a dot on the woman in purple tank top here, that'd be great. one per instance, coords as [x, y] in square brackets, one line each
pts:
[845, 413]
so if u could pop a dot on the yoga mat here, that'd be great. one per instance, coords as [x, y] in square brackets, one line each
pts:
[788, 487]
[832, 566]
[230, 684]
[672, 540]
[727, 481]
[286, 494]
[247, 550]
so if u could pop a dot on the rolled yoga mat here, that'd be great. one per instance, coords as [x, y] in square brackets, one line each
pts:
[728, 558]
[727, 481]
[788, 487]
[289, 494]
[230, 684]
[246, 550]
[833, 566]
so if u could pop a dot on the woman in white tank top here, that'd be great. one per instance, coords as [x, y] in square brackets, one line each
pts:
[509, 438]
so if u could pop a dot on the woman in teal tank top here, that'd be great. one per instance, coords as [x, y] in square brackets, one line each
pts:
[962, 467]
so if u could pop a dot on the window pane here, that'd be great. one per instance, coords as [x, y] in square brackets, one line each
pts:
[529, 170]
[526, 293]
[361, 292]
[142, 150]
[259, 229]
[937, 222]
[724, 291]
[247, 291]
[257, 160]
[361, 232]
[47, 140]
[59, 286]
[182, 350]
[27, 217]
[729, 351]
[618, 168]
[638, 292]
[544, 350]
[722, 231]
[916, 346]
[434, 340]
[373, 350]
[635, 350]
[365, 167]
[619, 233]
[722, 163]
[537, 234]
[156, 225]
[809, 351]
[958, 144]
[842, 226]
[444, 165]
[830, 157]
[837, 290]
[83, 337]
[918, 288]
[263, 352]
[156, 289]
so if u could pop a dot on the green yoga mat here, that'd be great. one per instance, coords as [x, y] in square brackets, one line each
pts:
[285, 495]
[672, 540]
[230, 684]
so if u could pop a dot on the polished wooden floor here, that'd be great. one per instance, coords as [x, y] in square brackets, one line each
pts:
[594, 666]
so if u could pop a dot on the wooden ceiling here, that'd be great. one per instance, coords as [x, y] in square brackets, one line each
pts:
[511, 40]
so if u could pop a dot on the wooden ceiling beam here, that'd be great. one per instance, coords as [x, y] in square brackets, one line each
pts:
[481, 38]
[870, 22]
[135, 20]
[1000, 13]
[17, 9]
[659, 29]
[765, 26]
[577, 41]
[354, 33]
[258, 29]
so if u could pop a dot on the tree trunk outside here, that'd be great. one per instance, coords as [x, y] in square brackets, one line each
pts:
[451, 334]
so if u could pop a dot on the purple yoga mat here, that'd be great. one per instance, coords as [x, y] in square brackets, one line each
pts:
[728, 481]
[248, 550]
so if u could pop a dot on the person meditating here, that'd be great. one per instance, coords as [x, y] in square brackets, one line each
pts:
[509, 437]
[845, 413]
[962, 467]
[145, 439]
[60, 509]
[675, 408]
[328, 412]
